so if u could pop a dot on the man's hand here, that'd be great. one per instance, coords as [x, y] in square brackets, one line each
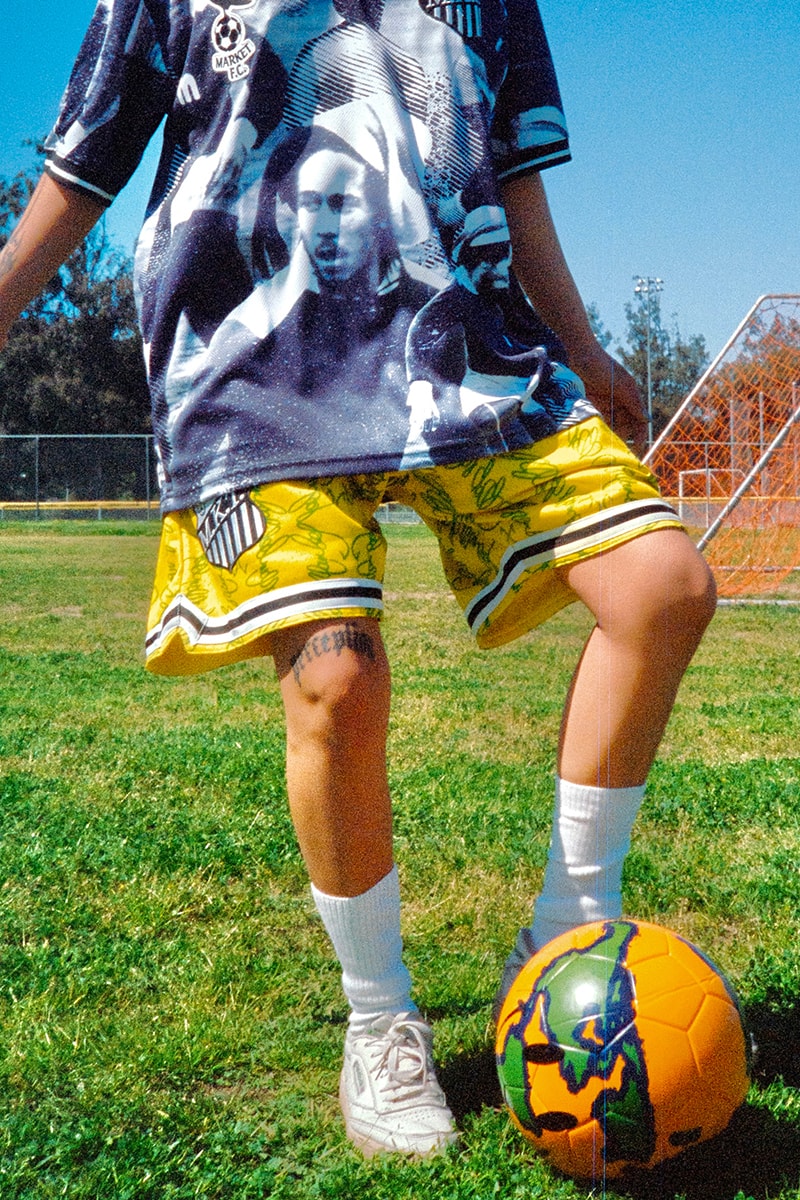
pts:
[542, 270]
[613, 390]
[424, 414]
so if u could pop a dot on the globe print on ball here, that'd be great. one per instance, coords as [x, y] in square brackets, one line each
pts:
[619, 1045]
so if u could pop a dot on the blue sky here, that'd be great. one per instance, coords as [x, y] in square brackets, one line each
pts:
[685, 125]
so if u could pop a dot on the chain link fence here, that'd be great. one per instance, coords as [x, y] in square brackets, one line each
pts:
[101, 475]
[78, 475]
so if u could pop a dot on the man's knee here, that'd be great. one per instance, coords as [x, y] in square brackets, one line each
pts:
[689, 586]
[678, 596]
[333, 673]
[655, 582]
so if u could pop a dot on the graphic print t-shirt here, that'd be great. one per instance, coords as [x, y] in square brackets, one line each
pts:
[324, 273]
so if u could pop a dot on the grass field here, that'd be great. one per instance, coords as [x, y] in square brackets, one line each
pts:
[170, 1012]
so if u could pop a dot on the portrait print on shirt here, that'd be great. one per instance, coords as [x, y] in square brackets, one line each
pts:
[324, 275]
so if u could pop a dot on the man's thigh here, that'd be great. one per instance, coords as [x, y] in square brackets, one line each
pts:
[509, 526]
[231, 575]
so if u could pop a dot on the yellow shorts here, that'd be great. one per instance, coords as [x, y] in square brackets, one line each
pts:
[232, 573]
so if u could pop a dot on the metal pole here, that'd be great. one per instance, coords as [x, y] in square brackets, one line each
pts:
[147, 472]
[794, 481]
[649, 379]
[647, 285]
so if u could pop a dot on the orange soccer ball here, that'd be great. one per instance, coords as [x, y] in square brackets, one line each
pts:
[619, 1045]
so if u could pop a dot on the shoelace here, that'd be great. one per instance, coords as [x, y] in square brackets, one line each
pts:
[404, 1057]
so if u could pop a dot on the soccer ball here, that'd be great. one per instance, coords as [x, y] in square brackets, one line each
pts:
[619, 1045]
[228, 31]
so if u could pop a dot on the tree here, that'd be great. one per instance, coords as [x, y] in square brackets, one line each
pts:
[676, 363]
[603, 335]
[73, 363]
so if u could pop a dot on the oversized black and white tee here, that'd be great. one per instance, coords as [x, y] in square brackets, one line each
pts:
[324, 272]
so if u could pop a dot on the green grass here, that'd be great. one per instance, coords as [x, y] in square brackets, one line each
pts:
[170, 1012]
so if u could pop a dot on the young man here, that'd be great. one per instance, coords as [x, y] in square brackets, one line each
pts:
[269, 541]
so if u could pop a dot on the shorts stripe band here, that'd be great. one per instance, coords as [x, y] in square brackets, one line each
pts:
[261, 612]
[582, 535]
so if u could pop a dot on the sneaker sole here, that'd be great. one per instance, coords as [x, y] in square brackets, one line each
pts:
[369, 1146]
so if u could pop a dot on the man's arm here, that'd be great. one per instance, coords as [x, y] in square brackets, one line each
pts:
[55, 221]
[541, 268]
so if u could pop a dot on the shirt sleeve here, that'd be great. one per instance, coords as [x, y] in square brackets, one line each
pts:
[118, 92]
[529, 131]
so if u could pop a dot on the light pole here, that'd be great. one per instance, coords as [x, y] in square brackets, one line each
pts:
[648, 286]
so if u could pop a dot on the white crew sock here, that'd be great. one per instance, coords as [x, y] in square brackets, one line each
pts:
[365, 932]
[583, 880]
[591, 837]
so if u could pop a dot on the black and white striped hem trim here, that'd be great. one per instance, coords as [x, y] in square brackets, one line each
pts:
[554, 544]
[254, 615]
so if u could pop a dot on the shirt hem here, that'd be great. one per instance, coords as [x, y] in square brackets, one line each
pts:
[255, 476]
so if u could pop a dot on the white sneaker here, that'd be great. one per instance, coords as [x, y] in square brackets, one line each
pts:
[389, 1093]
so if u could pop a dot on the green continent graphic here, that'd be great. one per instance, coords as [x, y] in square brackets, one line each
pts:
[588, 1017]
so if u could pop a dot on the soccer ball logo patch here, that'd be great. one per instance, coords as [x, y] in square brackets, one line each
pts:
[228, 32]
[233, 49]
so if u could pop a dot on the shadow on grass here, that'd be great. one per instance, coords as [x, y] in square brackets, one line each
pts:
[470, 1083]
[777, 1036]
[757, 1156]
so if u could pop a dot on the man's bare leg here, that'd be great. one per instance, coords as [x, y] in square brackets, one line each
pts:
[335, 684]
[336, 689]
[652, 598]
